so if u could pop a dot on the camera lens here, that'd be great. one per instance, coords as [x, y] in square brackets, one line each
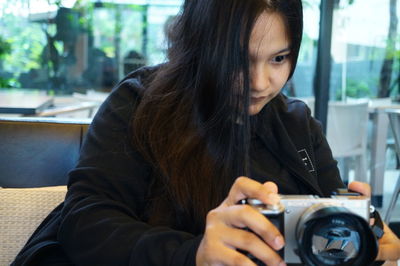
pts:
[337, 243]
[331, 235]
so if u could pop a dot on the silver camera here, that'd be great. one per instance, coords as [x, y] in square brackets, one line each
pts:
[323, 231]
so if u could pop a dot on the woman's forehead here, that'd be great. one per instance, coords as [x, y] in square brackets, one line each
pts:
[269, 31]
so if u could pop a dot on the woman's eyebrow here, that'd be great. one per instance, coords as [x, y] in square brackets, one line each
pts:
[253, 54]
[287, 49]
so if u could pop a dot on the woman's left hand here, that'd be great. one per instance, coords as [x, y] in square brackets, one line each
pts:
[389, 244]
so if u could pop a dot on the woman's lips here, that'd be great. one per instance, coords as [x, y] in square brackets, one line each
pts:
[255, 100]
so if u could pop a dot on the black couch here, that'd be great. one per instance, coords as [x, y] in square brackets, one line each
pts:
[37, 152]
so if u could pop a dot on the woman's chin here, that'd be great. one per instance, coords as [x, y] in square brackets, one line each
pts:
[254, 109]
[256, 105]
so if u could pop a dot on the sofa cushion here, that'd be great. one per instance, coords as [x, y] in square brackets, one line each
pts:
[21, 212]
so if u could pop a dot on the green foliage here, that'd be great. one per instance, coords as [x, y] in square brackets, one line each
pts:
[348, 2]
[4, 83]
[27, 40]
[391, 51]
[355, 89]
[85, 9]
[395, 85]
[5, 47]
[8, 83]
[58, 3]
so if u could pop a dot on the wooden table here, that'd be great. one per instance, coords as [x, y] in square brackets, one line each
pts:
[25, 102]
[15, 102]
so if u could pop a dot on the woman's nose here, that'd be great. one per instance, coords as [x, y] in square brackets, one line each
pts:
[260, 79]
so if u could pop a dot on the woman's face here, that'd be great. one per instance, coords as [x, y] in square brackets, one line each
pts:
[269, 60]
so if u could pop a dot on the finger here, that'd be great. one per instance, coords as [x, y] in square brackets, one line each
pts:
[251, 243]
[360, 187]
[244, 216]
[245, 187]
[222, 255]
[390, 263]
[271, 186]
[388, 252]
[389, 245]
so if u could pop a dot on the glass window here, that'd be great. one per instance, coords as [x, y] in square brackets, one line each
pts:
[364, 56]
[365, 68]
[77, 50]
[74, 46]
[301, 85]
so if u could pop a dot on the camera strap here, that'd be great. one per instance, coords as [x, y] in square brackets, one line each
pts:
[377, 227]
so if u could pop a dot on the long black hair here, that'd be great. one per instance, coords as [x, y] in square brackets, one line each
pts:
[193, 122]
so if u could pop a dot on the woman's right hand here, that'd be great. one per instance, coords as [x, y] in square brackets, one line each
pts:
[224, 233]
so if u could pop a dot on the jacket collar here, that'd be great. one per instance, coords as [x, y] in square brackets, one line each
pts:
[275, 136]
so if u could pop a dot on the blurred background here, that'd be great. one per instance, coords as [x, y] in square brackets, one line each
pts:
[74, 51]
[72, 46]
[68, 46]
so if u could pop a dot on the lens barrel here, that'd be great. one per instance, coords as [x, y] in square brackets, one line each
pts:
[332, 235]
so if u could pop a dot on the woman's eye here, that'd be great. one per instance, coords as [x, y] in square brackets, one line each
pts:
[279, 58]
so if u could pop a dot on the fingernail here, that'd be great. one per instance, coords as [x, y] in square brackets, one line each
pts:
[274, 198]
[279, 242]
[282, 263]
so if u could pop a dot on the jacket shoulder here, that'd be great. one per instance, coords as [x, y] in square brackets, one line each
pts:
[295, 105]
[139, 79]
[294, 108]
[296, 116]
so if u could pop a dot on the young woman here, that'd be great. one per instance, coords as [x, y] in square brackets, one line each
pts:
[175, 147]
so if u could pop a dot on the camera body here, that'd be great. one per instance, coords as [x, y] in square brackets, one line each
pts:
[296, 214]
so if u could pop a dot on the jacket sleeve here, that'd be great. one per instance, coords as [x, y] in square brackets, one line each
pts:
[326, 166]
[100, 222]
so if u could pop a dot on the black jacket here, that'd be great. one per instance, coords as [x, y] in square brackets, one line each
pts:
[103, 220]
